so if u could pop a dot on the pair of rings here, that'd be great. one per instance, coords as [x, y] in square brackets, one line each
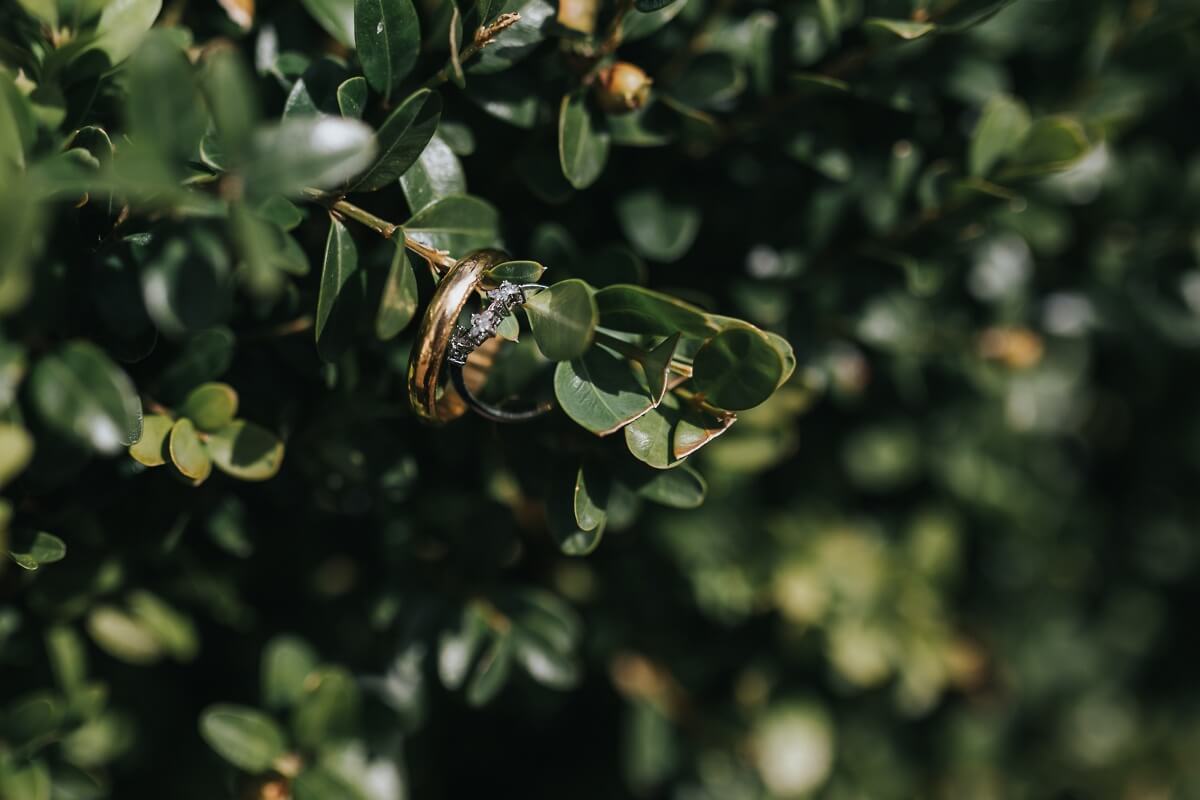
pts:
[438, 389]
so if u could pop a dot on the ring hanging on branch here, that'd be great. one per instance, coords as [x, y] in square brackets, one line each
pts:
[444, 347]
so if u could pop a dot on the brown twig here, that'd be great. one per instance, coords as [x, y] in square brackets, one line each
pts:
[483, 37]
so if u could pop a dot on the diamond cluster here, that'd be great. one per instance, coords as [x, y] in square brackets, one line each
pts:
[501, 302]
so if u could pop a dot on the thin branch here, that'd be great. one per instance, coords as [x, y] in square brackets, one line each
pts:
[483, 37]
[439, 260]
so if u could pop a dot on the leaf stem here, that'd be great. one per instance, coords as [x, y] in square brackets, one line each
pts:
[440, 260]
[484, 36]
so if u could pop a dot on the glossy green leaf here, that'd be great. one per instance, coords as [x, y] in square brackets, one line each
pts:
[563, 319]
[659, 227]
[574, 517]
[16, 448]
[457, 224]
[1002, 126]
[246, 451]
[46, 548]
[737, 369]
[165, 110]
[150, 448]
[352, 97]
[681, 488]
[387, 34]
[188, 453]
[637, 310]
[335, 16]
[583, 143]
[657, 366]
[401, 140]
[435, 175]
[398, 304]
[342, 293]
[672, 431]
[600, 391]
[80, 392]
[287, 662]
[211, 406]
[316, 152]
[245, 737]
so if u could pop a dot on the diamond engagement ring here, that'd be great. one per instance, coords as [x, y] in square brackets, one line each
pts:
[445, 347]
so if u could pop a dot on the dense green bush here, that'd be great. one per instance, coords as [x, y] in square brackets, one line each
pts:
[911, 286]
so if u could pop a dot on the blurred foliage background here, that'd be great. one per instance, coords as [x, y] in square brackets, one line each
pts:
[949, 557]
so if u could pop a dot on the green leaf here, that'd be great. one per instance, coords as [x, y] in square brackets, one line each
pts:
[387, 34]
[246, 451]
[457, 224]
[245, 737]
[328, 710]
[647, 6]
[185, 280]
[342, 293]
[659, 227]
[492, 672]
[43, 10]
[901, 28]
[165, 110]
[401, 140]
[211, 406]
[287, 662]
[583, 143]
[204, 357]
[352, 97]
[174, 631]
[122, 25]
[459, 646]
[737, 369]
[318, 152]
[600, 391]
[1001, 127]
[592, 486]
[229, 90]
[563, 319]
[637, 310]
[82, 394]
[1052, 144]
[672, 431]
[335, 16]
[398, 305]
[321, 783]
[514, 272]
[435, 175]
[122, 636]
[16, 448]
[17, 126]
[639, 26]
[712, 80]
[682, 488]
[21, 242]
[657, 366]
[148, 450]
[188, 453]
[45, 549]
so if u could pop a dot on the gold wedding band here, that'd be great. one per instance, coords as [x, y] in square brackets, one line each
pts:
[434, 399]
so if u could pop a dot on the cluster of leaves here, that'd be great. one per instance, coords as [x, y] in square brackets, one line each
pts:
[943, 478]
